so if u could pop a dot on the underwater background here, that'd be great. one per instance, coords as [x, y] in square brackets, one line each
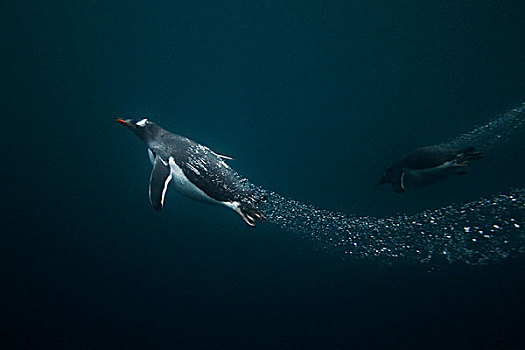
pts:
[314, 99]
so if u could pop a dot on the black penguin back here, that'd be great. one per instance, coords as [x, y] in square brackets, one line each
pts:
[428, 157]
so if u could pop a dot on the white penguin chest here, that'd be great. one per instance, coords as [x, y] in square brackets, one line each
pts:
[184, 186]
[416, 178]
[444, 169]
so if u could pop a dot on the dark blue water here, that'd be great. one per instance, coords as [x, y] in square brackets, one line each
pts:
[314, 100]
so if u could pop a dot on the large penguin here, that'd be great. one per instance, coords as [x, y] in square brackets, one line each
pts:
[194, 170]
[427, 165]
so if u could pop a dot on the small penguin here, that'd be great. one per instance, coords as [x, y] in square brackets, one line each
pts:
[428, 165]
[194, 170]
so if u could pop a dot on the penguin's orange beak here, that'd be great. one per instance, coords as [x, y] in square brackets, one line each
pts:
[122, 121]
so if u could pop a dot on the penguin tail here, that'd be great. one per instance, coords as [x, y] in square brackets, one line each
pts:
[250, 214]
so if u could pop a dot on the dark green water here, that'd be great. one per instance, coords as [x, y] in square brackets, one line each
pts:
[314, 100]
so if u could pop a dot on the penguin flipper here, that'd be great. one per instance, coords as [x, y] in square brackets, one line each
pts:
[159, 181]
[398, 184]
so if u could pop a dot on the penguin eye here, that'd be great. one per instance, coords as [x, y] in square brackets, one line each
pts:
[141, 123]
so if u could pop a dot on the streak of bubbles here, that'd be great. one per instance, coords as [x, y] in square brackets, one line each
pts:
[487, 136]
[477, 232]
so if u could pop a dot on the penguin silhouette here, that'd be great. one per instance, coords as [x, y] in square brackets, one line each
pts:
[428, 165]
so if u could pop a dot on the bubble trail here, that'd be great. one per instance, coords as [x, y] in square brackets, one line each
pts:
[497, 131]
[478, 232]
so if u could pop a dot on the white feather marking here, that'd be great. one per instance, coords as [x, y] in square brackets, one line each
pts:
[142, 122]
[168, 179]
[233, 205]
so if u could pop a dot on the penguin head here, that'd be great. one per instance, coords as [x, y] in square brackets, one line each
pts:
[143, 128]
[387, 177]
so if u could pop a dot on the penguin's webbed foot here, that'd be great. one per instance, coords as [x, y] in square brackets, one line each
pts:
[250, 215]
[461, 163]
[468, 154]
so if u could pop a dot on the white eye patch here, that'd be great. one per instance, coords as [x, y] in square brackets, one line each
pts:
[141, 123]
